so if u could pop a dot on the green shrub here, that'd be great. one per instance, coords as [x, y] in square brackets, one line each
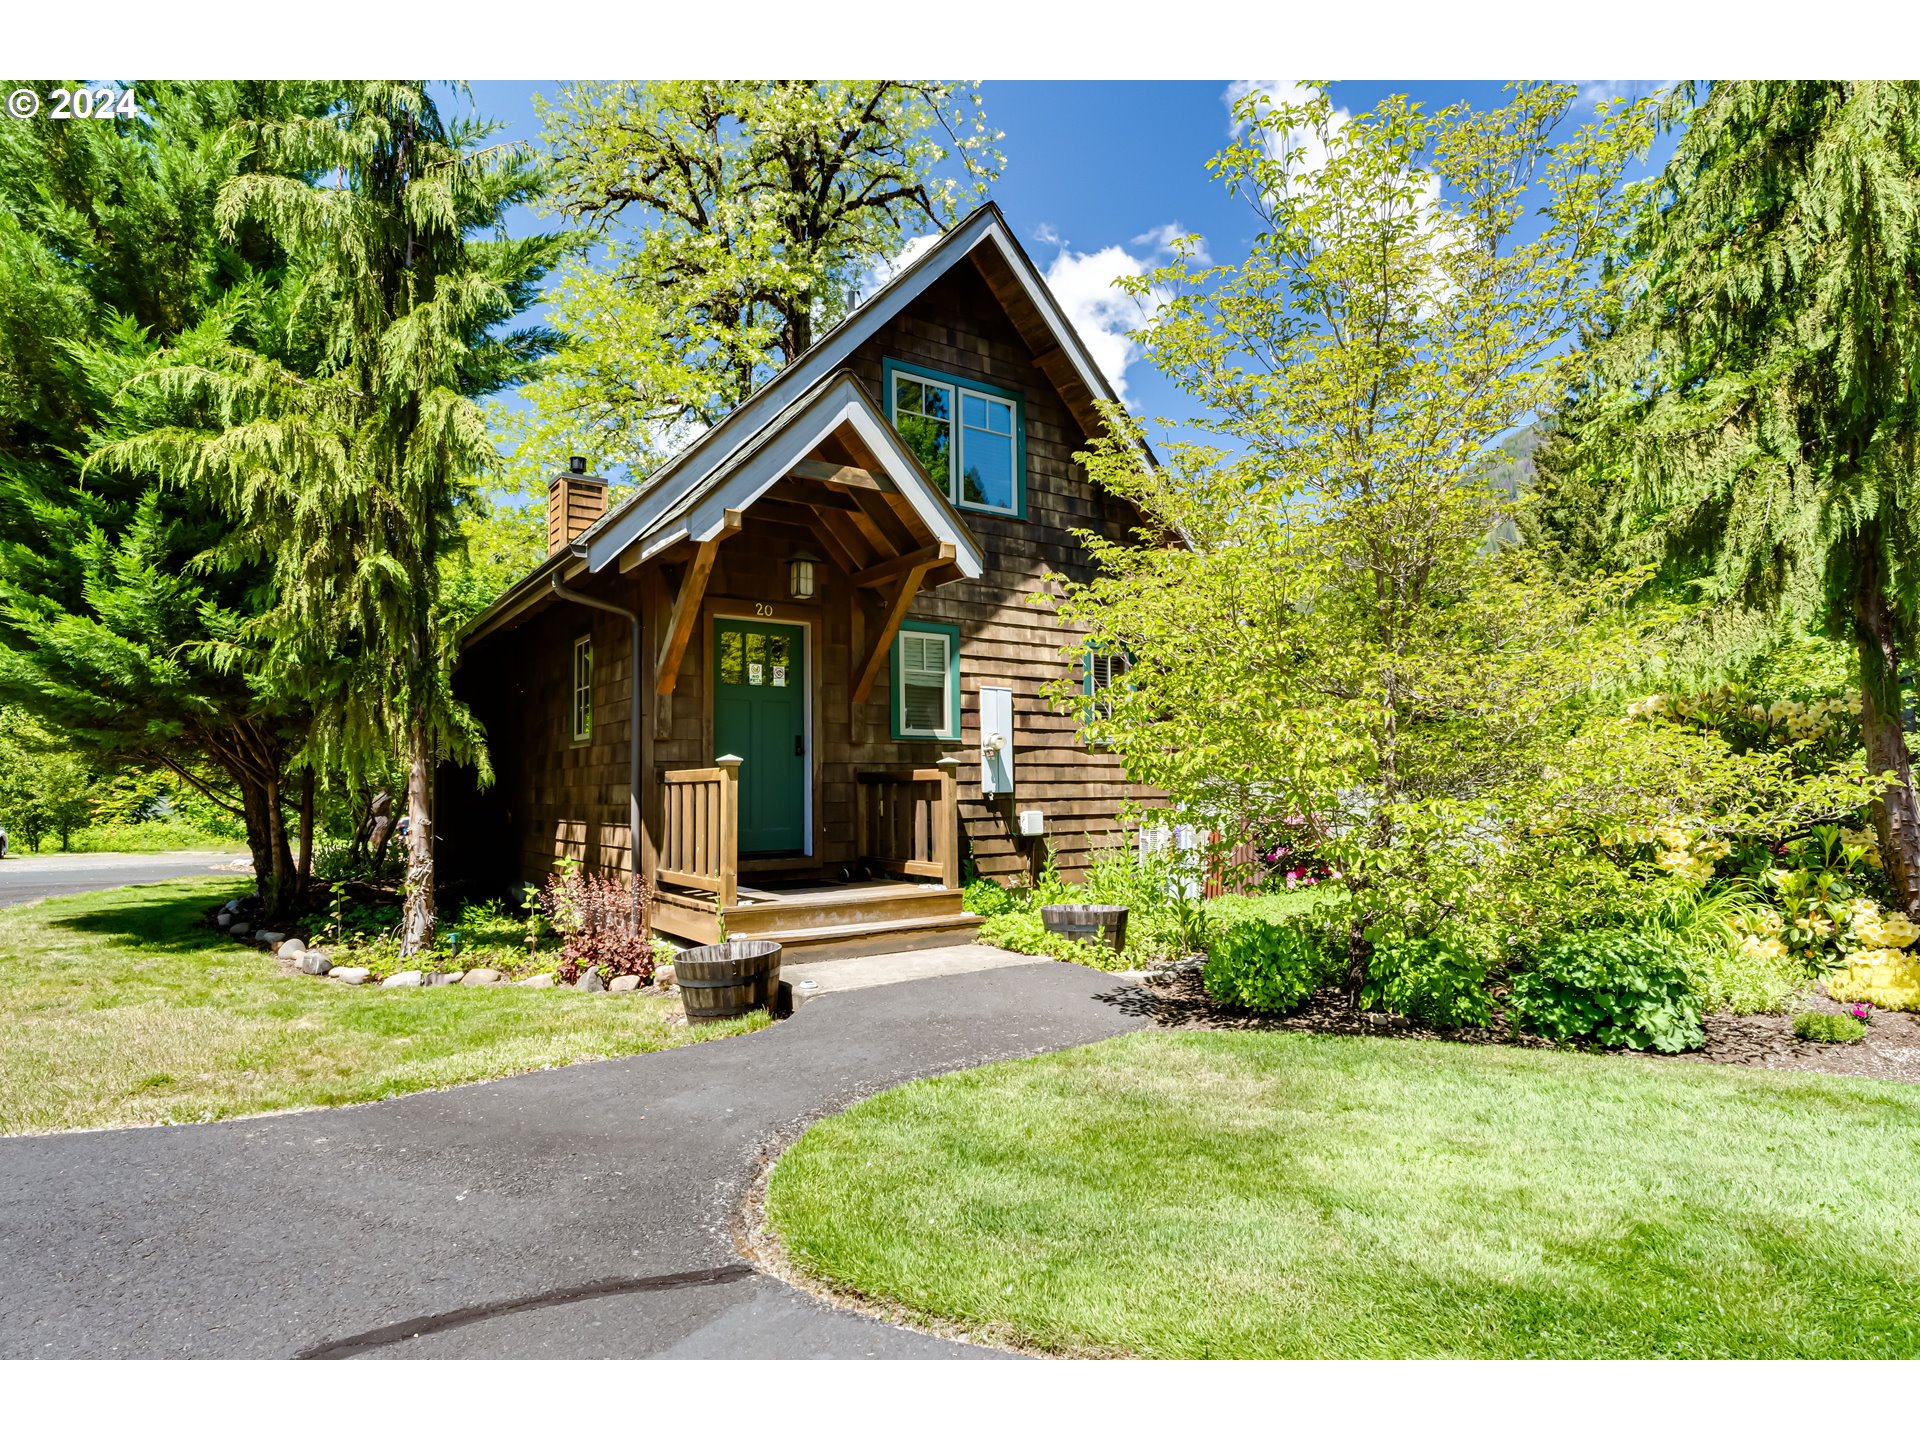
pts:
[1828, 1029]
[1259, 965]
[1614, 987]
[1023, 932]
[1275, 905]
[1438, 980]
[987, 898]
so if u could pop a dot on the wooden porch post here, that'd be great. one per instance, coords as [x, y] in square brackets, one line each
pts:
[728, 860]
[947, 819]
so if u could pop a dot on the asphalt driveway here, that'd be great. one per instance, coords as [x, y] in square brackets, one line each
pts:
[36, 877]
[580, 1212]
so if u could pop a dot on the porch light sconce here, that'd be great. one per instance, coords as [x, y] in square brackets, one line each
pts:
[800, 575]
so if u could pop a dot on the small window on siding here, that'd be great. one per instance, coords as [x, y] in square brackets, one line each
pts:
[925, 684]
[1104, 668]
[583, 688]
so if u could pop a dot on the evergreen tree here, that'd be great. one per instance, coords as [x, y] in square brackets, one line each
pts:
[347, 480]
[1756, 395]
[109, 634]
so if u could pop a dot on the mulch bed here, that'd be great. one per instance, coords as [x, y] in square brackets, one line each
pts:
[1173, 999]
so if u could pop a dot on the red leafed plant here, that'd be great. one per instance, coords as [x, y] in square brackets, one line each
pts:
[602, 920]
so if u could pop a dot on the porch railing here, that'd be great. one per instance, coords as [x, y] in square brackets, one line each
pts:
[909, 822]
[700, 829]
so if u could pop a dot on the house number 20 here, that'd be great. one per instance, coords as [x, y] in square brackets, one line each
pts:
[760, 607]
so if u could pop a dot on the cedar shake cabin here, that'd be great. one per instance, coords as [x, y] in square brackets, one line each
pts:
[818, 611]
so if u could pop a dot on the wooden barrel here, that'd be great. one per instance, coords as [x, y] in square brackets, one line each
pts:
[1088, 922]
[720, 981]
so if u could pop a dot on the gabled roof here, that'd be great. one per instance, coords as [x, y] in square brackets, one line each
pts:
[730, 458]
[659, 518]
[985, 234]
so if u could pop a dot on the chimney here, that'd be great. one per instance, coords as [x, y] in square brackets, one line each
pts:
[574, 501]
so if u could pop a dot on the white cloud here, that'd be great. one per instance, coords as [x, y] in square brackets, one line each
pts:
[1595, 91]
[881, 273]
[1083, 284]
[1159, 242]
[1045, 234]
[1311, 148]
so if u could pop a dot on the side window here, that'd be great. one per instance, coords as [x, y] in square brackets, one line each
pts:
[926, 683]
[583, 688]
[968, 438]
[1104, 669]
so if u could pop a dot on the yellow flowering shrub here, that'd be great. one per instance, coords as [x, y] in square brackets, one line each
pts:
[1889, 979]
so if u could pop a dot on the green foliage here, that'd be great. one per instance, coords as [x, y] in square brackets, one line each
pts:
[1259, 965]
[1609, 987]
[1438, 980]
[1337, 640]
[46, 789]
[340, 450]
[732, 219]
[1751, 406]
[1825, 1029]
[112, 632]
[1023, 932]
[987, 898]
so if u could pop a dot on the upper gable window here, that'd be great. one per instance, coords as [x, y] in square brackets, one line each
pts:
[969, 437]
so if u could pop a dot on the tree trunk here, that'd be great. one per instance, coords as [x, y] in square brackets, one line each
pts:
[305, 882]
[1896, 816]
[266, 838]
[417, 932]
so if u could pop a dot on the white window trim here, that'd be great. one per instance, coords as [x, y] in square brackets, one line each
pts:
[939, 732]
[957, 444]
[583, 644]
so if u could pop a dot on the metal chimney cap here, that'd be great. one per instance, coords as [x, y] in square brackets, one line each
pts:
[576, 464]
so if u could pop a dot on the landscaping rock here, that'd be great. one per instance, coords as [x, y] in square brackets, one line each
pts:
[623, 984]
[445, 977]
[663, 977]
[271, 937]
[350, 974]
[240, 930]
[405, 980]
[231, 906]
[484, 975]
[291, 947]
[536, 982]
[223, 919]
[314, 962]
[590, 979]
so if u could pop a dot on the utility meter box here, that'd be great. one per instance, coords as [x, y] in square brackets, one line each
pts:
[996, 740]
[1033, 822]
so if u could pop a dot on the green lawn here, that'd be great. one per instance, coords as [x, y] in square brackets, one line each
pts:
[119, 1008]
[1212, 1194]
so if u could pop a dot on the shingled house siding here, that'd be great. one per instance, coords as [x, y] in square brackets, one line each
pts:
[959, 328]
[559, 799]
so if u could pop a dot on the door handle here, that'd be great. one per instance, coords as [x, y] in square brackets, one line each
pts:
[800, 747]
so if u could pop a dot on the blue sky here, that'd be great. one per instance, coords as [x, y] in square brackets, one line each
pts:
[1096, 172]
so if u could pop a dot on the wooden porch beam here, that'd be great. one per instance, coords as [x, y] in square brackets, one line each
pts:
[686, 606]
[840, 477]
[889, 627]
[921, 559]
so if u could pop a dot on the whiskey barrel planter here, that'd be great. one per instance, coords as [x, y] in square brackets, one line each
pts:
[718, 982]
[1088, 922]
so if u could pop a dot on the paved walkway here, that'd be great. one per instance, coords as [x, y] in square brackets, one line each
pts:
[36, 877]
[579, 1212]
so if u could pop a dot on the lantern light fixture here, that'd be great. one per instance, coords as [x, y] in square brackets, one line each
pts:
[800, 574]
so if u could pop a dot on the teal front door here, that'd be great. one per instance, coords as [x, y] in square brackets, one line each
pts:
[760, 714]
